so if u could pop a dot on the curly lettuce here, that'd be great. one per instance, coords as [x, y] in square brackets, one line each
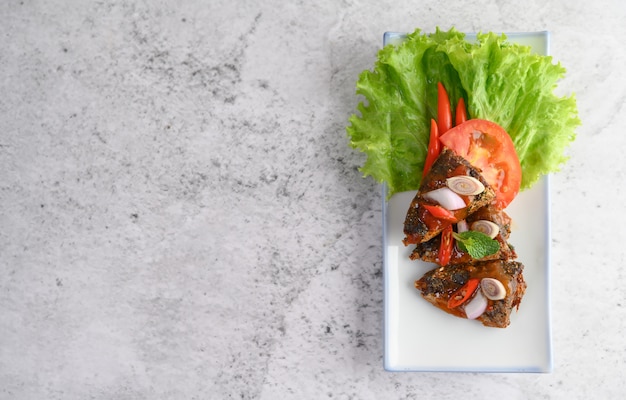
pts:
[502, 82]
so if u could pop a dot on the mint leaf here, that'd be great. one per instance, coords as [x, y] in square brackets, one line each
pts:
[476, 244]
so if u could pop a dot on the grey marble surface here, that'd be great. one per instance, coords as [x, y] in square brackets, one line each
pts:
[181, 216]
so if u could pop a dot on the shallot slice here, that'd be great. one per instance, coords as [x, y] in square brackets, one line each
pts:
[446, 198]
[487, 227]
[492, 288]
[477, 306]
[462, 226]
[465, 185]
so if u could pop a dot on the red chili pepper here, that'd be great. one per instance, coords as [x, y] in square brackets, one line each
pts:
[461, 113]
[445, 248]
[441, 213]
[464, 293]
[434, 147]
[444, 114]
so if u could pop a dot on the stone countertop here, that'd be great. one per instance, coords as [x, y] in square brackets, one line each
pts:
[182, 218]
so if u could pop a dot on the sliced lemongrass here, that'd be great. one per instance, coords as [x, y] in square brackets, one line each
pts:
[465, 185]
[476, 307]
[446, 198]
[487, 227]
[492, 288]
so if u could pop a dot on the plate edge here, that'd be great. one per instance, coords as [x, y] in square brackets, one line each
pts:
[388, 36]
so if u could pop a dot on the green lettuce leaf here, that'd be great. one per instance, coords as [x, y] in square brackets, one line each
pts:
[501, 82]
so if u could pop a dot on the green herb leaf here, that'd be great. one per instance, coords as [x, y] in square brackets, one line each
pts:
[502, 82]
[476, 244]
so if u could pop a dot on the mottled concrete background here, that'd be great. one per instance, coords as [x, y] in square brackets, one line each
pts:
[181, 216]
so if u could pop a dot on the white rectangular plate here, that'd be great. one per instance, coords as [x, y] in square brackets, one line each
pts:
[420, 337]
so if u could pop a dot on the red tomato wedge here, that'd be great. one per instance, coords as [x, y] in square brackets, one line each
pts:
[486, 145]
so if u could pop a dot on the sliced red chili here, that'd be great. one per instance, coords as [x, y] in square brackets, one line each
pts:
[460, 115]
[463, 293]
[440, 213]
[444, 114]
[434, 147]
[445, 247]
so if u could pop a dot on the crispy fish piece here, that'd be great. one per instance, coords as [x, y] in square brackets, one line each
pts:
[429, 251]
[419, 225]
[440, 284]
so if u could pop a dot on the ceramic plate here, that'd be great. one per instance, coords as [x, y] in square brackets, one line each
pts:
[420, 337]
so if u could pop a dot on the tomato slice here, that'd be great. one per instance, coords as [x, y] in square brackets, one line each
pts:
[487, 146]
